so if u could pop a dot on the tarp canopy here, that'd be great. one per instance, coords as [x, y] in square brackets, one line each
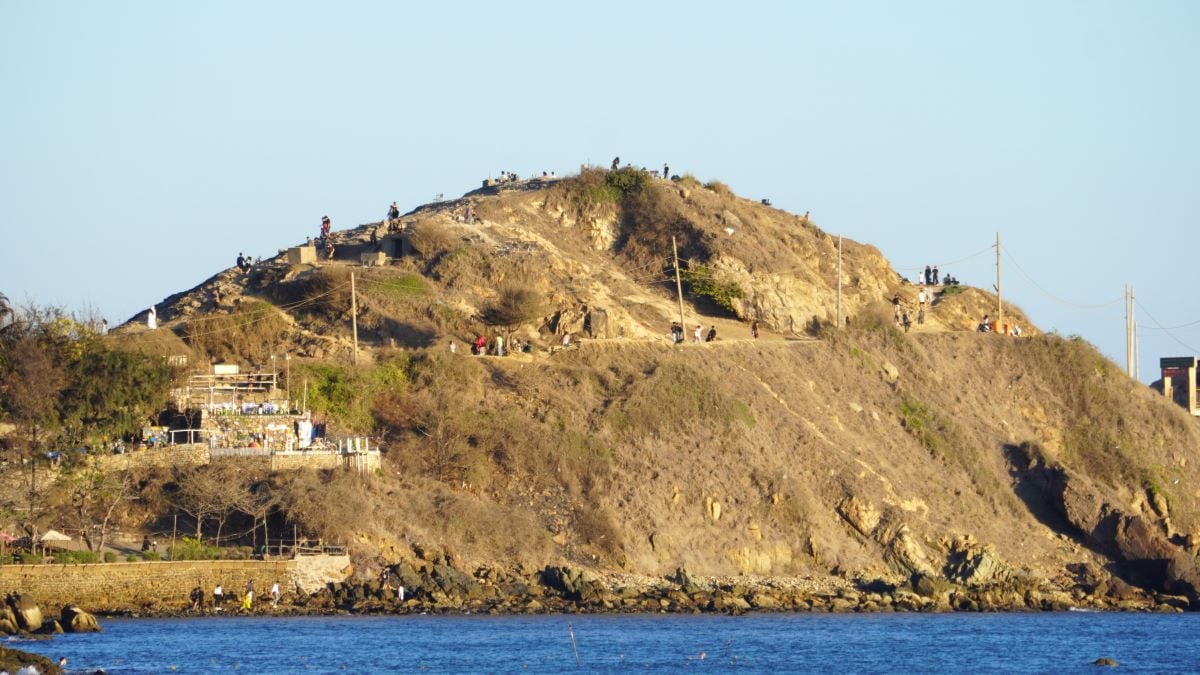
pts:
[53, 535]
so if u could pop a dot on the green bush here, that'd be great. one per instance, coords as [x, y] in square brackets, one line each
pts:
[148, 556]
[700, 281]
[76, 557]
[28, 558]
[193, 549]
[110, 557]
[131, 558]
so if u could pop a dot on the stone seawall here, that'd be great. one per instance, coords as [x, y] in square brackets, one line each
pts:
[114, 587]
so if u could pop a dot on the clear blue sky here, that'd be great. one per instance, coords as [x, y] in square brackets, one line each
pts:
[144, 144]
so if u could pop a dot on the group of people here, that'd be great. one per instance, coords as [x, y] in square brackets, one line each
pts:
[931, 276]
[699, 335]
[218, 596]
[245, 262]
[989, 325]
[497, 346]
[666, 171]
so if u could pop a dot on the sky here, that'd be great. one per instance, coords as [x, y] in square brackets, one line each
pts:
[143, 145]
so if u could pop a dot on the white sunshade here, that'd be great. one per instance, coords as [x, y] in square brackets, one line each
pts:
[53, 535]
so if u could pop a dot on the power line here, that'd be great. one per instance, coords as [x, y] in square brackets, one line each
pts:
[1167, 330]
[947, 264]
[1053, 296]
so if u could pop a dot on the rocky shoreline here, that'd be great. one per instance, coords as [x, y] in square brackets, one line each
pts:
[433, 587]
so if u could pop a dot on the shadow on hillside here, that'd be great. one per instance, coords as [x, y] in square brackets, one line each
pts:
[1039, 487]
[404, 334]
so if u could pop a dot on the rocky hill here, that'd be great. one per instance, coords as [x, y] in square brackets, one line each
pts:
[868, 452]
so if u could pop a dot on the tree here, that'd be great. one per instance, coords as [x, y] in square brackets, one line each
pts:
[29, 393]
[94, 496]
[258, 502]
[206, 492]
[516, 305]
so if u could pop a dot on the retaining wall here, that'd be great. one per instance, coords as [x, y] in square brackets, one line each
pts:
[131, 586]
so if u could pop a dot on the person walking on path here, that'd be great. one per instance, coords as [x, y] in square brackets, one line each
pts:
[754, 329]
[712, 334]
[699, 330]
[499, 345]
[896, 309]
[922, 298]
[676, 333]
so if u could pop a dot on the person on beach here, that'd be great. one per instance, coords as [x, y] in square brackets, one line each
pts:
[219, 597]
[275, 594]
[197, 598]
[248, 599]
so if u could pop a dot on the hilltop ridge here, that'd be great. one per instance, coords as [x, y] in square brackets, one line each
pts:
[867, 452]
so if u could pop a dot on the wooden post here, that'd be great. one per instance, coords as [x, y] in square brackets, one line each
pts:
[354, 317]
[678, 283]
[839, 285]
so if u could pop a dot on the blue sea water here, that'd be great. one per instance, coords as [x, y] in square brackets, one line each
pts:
[832, 643]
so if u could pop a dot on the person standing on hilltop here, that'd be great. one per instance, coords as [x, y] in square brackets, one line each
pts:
[666, 171]
[152, 318]
[393, 212]
[935, 276]
[241, 261]
[326, 226]
[616, 163]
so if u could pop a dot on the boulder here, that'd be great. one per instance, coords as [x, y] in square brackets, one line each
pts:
[28, 614]
[75, 620]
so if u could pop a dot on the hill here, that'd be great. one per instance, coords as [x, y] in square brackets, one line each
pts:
[867, 452]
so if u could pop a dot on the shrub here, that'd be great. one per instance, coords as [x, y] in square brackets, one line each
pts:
[76, 557]
[148, 556]
[28, 558]
[192, 549]
[517, 305]
[700, 282]
[131, 558]
[110, 557]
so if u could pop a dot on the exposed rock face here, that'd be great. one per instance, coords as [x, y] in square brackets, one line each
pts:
[75, 620]
[26, 611]
[1144, 555]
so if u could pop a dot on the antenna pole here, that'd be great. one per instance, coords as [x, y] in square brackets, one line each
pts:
[999, 301]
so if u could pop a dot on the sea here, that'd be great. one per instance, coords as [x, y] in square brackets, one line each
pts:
[758, 643]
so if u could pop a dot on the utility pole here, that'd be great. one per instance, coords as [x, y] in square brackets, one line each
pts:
[1128, 337]
[354, 316]
[678, 282]
[839, 296]
[999, 301]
